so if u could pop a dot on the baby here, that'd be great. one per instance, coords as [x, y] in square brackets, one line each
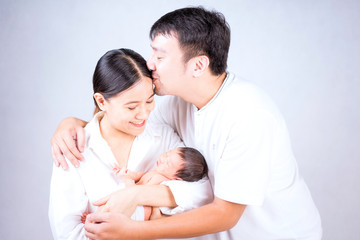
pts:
[184, 163]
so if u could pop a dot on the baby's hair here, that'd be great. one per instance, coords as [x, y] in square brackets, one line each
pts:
[194, 166]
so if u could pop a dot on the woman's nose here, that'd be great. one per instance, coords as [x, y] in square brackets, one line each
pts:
[143, 113]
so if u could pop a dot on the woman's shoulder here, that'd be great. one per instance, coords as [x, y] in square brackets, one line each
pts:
[92, 130]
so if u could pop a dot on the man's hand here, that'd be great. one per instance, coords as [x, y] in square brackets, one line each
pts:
[109, 226]
[68, 140]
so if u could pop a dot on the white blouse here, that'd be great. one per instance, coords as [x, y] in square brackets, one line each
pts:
[73, 191]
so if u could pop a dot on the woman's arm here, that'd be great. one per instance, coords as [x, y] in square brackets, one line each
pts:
[172, 196]
[68, 140]
[137, 195]
[67, 203]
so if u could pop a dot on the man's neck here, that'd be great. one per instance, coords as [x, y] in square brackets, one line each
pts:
[204, 90]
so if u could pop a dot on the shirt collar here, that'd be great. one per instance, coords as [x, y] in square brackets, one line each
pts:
[96, 143]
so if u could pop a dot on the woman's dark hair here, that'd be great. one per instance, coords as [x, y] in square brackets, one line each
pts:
[199, 32]
[117, 71]
[194, 167]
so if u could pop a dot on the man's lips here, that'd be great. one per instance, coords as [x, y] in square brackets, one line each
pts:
[155, 77]
[155, 81]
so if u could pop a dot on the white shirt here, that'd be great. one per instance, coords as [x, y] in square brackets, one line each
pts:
[246, 145]
[73, 191]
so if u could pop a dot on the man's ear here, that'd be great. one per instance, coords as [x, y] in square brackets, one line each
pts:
[201, 64]
[100, 100]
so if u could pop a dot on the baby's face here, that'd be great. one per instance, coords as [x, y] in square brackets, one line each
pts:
[169, 163]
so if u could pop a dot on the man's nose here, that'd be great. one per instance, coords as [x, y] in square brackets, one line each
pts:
[150, 63]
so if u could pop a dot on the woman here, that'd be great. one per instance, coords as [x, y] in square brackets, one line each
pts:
[118, 135]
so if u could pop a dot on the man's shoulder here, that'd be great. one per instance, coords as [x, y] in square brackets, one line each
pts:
[246, 93]
[170, 101]
[157, 129]
[169, 109]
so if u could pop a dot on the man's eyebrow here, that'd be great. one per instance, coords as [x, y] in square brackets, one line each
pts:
[157, 49]
[132, 102]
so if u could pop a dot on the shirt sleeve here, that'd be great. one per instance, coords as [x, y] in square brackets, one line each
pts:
[171, 138]
[158, 115]
[68, 202]
[188, 195]
[243, 171]
[163, 112]
[139, 214]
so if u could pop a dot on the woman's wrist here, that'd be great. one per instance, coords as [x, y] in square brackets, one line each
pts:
[137, 194]
[153, 195]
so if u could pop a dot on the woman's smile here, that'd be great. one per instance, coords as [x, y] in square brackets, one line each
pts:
[138, 124]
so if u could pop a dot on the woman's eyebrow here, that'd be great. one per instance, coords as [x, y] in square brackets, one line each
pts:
[151, 95]
[132, 102]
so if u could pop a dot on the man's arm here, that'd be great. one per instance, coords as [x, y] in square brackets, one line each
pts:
[68, 140]
[220, 215]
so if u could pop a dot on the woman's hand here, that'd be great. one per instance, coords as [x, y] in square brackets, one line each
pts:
[68, 140]
[122, 201]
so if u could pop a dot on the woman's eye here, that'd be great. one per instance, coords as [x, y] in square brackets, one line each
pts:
[131, 108]
[150, 101]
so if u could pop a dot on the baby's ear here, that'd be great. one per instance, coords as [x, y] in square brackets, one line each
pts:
[180, 179]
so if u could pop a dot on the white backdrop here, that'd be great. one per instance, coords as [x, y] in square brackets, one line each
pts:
[305, 54]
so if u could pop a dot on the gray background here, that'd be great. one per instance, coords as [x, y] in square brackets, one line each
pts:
[305, 54]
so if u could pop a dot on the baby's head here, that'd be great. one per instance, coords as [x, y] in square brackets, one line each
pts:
[184, 163]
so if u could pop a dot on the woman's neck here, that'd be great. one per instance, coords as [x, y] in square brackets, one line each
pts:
[119, 142]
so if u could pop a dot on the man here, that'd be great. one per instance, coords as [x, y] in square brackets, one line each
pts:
[258, 192]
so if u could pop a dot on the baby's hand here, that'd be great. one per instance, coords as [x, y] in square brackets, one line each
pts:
[120, 172]
[83, 217]
[126, 174]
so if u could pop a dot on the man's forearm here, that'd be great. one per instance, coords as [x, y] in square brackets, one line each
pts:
[215, 217]
[81, 123]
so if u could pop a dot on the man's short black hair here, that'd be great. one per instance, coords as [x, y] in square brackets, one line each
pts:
[199, 32]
